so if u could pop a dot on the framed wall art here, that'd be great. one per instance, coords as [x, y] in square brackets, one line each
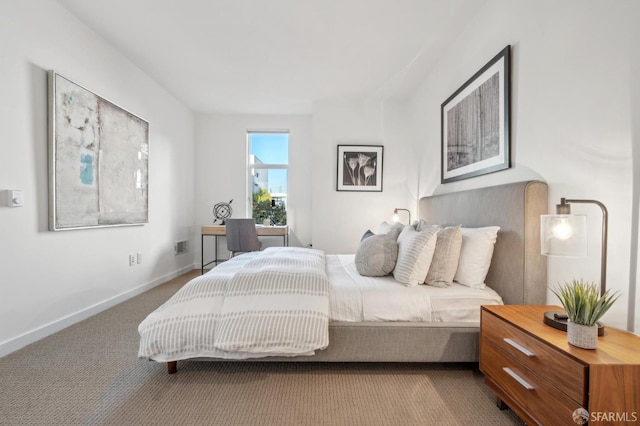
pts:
[475, 123]
[98, 160]
[359, 168]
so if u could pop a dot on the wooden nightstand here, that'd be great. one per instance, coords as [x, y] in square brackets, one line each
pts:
[532, 369]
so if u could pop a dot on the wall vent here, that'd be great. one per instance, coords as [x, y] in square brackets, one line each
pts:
[181, 247]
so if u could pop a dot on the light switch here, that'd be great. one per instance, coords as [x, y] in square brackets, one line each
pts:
[14, 198]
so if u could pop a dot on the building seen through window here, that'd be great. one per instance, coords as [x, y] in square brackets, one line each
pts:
[268, 173]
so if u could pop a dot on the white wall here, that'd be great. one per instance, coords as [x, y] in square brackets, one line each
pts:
[575, 121]
[340, 218]
[221, 165]
[317, 214]
[51, 279]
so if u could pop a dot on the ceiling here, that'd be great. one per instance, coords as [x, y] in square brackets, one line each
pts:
[278, 56]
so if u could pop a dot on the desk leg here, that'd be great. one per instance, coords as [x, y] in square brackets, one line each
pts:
[215, 260]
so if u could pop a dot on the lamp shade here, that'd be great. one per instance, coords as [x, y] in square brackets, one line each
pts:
[396, 219]
[563, 235]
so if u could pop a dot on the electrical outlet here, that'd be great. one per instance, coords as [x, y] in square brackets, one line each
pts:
[139, 258]
[132, 259]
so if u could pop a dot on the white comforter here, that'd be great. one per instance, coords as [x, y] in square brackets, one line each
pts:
[354, 298]
[276, 304]
[227, 313]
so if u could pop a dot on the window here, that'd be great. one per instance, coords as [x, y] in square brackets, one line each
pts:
[268, 167]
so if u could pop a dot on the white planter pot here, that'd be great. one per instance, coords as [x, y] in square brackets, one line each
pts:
[582, 336]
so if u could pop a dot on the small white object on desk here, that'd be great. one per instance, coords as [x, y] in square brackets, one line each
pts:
[266, 222]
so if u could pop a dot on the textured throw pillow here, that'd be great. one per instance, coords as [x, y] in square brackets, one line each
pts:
[475, 255]
[390, 229]
[445, 257]
[376, 256]
[415, 251]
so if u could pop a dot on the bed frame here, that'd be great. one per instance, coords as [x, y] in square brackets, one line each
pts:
[518, 273]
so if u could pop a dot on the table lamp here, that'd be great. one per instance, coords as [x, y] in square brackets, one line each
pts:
[565, 235]
[396, 219]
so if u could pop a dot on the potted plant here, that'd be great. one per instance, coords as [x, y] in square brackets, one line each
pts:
[584, 306]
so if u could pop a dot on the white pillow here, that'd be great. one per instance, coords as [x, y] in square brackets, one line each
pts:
[475, 255]
[390, 229]
[415, 251]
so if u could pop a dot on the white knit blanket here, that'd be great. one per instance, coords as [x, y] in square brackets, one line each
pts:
[277, 304]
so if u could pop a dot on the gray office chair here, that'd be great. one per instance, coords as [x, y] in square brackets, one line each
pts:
[242, 236]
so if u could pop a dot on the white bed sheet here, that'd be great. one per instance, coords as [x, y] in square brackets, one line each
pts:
[354, 298]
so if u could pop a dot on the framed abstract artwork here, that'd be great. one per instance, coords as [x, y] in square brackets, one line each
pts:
[98, 160]
[360, 168]
[475, 123]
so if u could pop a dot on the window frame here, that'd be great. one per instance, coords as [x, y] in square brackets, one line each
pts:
[252, 166]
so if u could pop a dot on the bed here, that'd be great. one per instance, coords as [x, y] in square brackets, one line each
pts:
[517, 275]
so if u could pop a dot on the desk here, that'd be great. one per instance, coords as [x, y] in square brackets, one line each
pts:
[221, 230]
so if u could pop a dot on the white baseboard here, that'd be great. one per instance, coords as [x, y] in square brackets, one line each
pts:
[19, 342]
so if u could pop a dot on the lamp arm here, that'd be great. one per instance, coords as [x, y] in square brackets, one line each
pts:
[605, 225]
[395, 211]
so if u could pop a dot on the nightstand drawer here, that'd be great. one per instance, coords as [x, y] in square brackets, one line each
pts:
[561, 371]
[539, 399]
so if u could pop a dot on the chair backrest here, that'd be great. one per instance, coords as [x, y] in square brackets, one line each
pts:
[242, 235]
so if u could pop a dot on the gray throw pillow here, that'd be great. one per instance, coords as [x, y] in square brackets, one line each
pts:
[376, 256]
[390, 229]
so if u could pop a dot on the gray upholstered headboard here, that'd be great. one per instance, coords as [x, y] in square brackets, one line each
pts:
[518, 271]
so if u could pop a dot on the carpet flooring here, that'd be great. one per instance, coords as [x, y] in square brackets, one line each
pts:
[88, 374]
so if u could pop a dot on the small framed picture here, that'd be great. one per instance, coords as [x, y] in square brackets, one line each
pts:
[475, 123]
[360, 168]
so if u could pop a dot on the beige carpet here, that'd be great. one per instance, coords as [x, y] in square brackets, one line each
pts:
[89, 374]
